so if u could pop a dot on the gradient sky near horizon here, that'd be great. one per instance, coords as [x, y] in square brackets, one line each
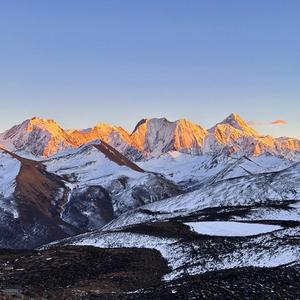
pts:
[82, 62]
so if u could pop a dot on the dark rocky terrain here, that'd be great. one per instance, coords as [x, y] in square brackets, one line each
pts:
[93, 273]
[78, 272]
[243, 283]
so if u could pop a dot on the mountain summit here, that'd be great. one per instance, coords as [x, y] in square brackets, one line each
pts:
[237, 122]
[159, 135]
[40, 137]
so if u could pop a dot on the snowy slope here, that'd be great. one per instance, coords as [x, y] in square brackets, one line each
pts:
[9, 170]
[263, 189]
[87, 166]
[182, 167]
[129, 188]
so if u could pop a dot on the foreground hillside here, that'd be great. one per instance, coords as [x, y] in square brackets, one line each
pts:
[76, 272]
[92, 273]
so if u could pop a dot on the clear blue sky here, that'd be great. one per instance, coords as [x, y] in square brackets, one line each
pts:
[82, 62]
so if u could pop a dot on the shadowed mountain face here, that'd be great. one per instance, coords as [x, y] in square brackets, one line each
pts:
[150, 138]
[38, 198]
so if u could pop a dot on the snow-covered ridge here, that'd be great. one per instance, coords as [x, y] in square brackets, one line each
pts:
[224, 189]
[88, 166]
[150, 138]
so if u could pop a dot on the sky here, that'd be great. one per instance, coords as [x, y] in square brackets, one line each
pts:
[117, 61]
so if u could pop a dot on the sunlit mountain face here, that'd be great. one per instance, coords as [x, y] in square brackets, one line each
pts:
[150, 138]
[158, 213]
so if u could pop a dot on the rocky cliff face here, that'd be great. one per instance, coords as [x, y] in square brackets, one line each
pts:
[157, 136]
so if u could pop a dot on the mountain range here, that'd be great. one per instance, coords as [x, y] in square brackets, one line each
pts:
[150, 138]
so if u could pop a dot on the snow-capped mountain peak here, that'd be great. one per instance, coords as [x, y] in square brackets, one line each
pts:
[159, 135]
[46, 124]
[237, 122]
[40, 137]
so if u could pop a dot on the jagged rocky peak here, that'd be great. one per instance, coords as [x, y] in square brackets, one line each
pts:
[191, 127]
[111, 132]
[32, 124]
[103, 131]
[48, 124]
[235, 134]
[159, 135]
[105, 128]
[148, 131]
[140, 123]
[236, 122]
[115, 136]
[189, 136]
[38, 136]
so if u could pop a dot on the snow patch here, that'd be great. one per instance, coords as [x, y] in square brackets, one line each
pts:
[217, 228]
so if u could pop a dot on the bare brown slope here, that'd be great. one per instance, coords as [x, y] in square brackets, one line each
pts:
[36, 188]
[117, 157]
